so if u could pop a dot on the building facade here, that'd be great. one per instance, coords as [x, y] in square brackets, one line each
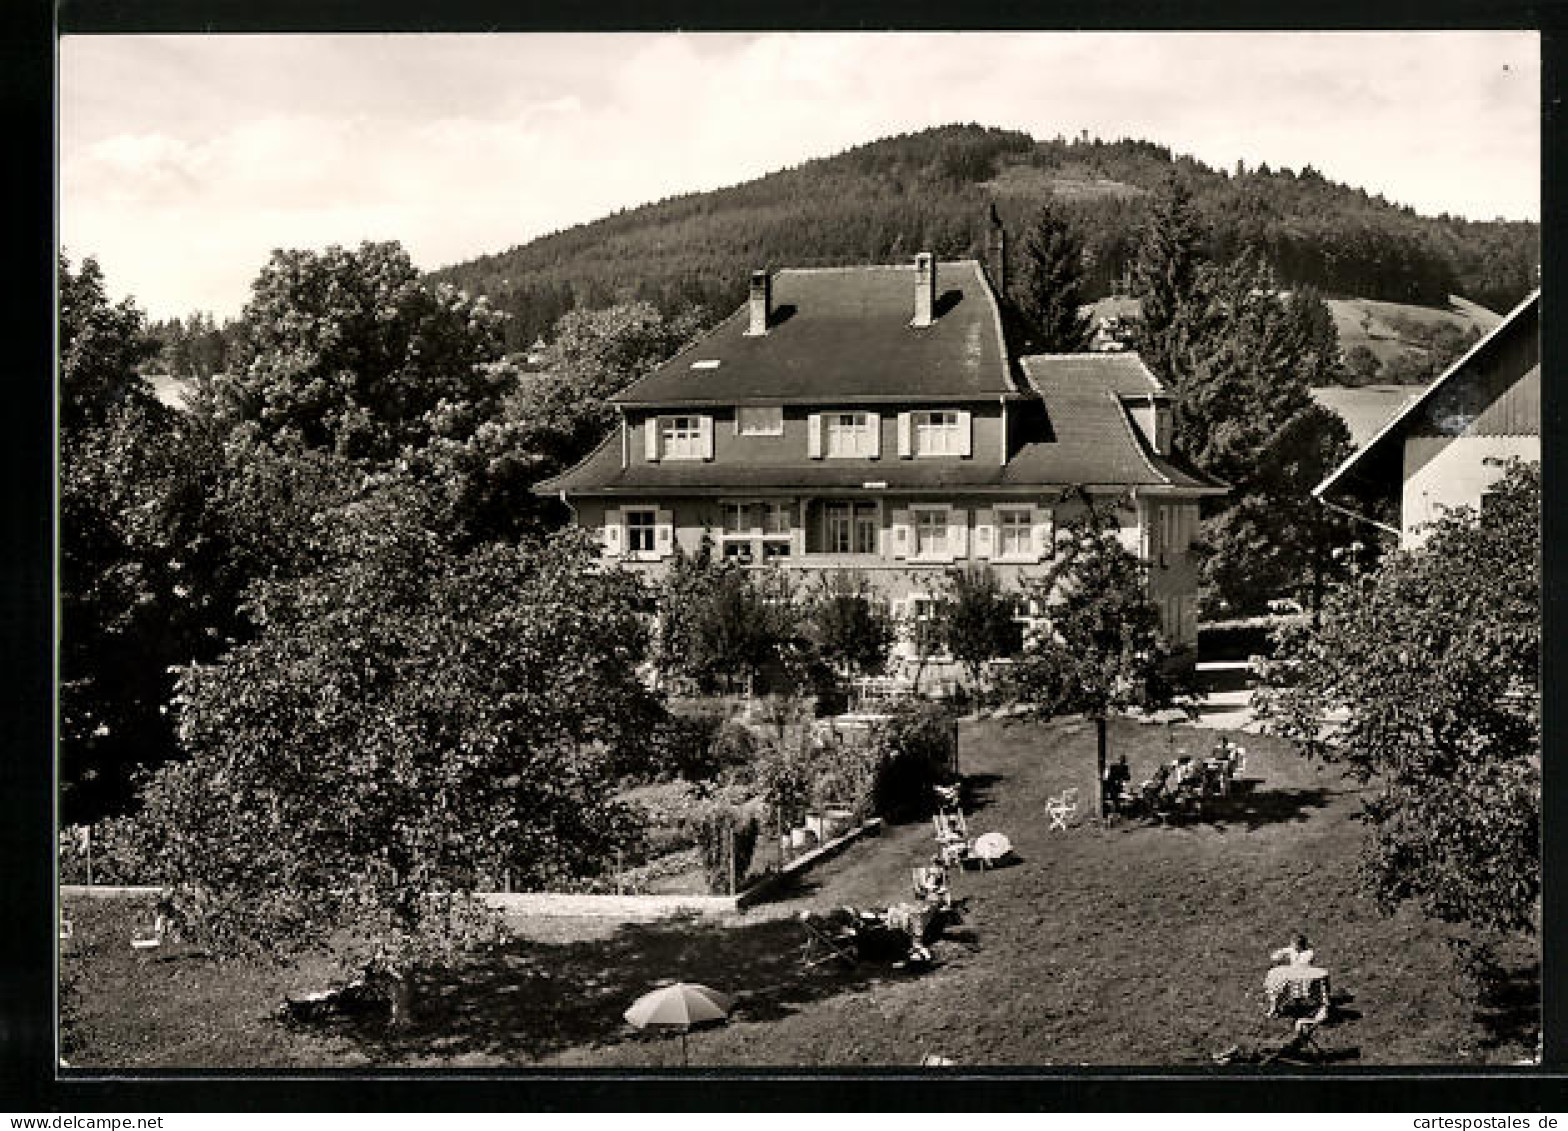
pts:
[1446, 446]
[872, 418]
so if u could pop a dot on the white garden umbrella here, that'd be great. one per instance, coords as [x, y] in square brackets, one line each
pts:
[679, 1006]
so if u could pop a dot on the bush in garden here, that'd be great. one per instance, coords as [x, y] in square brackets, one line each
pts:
[717, 828]
[915, 753]
[119, 852]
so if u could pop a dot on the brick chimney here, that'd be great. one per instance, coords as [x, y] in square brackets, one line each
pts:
[996, 252]
[761, 303]
[925, 289]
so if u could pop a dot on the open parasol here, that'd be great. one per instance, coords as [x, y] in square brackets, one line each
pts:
[680, 1006]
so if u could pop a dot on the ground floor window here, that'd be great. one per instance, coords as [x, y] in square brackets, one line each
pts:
[755, 532]
[1014, 533]
[930, 532]
[640, 524]
[850, 528]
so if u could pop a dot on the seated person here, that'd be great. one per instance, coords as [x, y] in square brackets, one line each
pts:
[1118, 776]
[933, 883]
[1296, 953]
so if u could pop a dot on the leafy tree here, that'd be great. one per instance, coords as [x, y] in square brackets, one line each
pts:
[1361, 365]
[1101, 649]
[350, 351]
[849, 622]
[979, 624]
[718, 620]
[406, 722]
[563, 404]
[1429, 670]
[102, 348]
[1049, 296]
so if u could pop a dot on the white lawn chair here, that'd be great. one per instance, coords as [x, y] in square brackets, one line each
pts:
[146, 938]
[1062, 807]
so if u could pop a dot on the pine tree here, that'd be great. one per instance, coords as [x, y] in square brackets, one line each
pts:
[1165, 273]
[1049, 297]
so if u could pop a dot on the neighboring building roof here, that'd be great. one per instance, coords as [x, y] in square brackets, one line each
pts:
[1091, 437]
[1085, 439]
[842, 335]
[1123, 373]
[1381, 456]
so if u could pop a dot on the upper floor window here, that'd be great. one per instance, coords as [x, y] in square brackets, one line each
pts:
[850, 434]
[681, 437]
[936, 433]
[759, 420]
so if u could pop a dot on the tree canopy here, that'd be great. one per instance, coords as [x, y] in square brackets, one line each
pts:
[1049, 296]
[1423, 680]
[406, 722]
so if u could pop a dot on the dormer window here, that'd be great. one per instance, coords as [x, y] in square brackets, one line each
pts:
[760, 420]
[679, 437]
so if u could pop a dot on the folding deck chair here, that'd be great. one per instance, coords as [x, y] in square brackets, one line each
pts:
[1061, 807]
[825, 942]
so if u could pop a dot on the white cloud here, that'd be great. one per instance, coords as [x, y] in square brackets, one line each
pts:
[185, 160]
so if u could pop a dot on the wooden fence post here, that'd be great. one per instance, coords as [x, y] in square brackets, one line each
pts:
[729, 841]
[89, 855]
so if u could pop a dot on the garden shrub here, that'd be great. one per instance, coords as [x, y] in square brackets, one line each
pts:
[684, 747]
[915, 754]
[713, 843]
[119, 851]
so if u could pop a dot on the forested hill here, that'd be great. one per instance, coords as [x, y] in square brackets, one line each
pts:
[888, 199]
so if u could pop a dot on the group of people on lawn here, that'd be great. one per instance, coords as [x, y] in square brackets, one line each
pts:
[1180, 782]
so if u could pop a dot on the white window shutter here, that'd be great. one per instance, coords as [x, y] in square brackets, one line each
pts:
[965, 433]
[1040, 523]
[874, 420]
[663, 533]
[814, 435]
[612, 535]
[906, 438]
[705, 435]
[985, 534]
[900, 532]
[650, 436]
[958, 533]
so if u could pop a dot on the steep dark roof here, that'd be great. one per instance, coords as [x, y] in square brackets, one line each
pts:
[1080, 435]
[1123, 374]
[1092, 439]
[843, 334]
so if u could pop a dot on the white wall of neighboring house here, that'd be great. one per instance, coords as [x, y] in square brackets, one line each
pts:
[1457, 475]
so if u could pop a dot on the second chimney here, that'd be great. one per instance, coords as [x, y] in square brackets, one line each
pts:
[925, 289]
[761, 303]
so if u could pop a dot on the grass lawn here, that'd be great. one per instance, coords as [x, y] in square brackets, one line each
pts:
[1131, 944]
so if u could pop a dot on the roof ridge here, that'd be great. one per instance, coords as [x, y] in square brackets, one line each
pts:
[845, 268]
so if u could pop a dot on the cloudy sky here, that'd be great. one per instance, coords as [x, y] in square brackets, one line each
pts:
[185, 159]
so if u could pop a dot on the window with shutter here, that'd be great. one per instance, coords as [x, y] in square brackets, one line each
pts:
[1015, 534]
[985, 534]
[611, 534]
[641, 524]
[664, 541]
[685, 437]
[814, 435]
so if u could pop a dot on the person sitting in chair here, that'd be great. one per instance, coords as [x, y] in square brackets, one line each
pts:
[933, 883]
[1295, 953]
[1118, 776]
